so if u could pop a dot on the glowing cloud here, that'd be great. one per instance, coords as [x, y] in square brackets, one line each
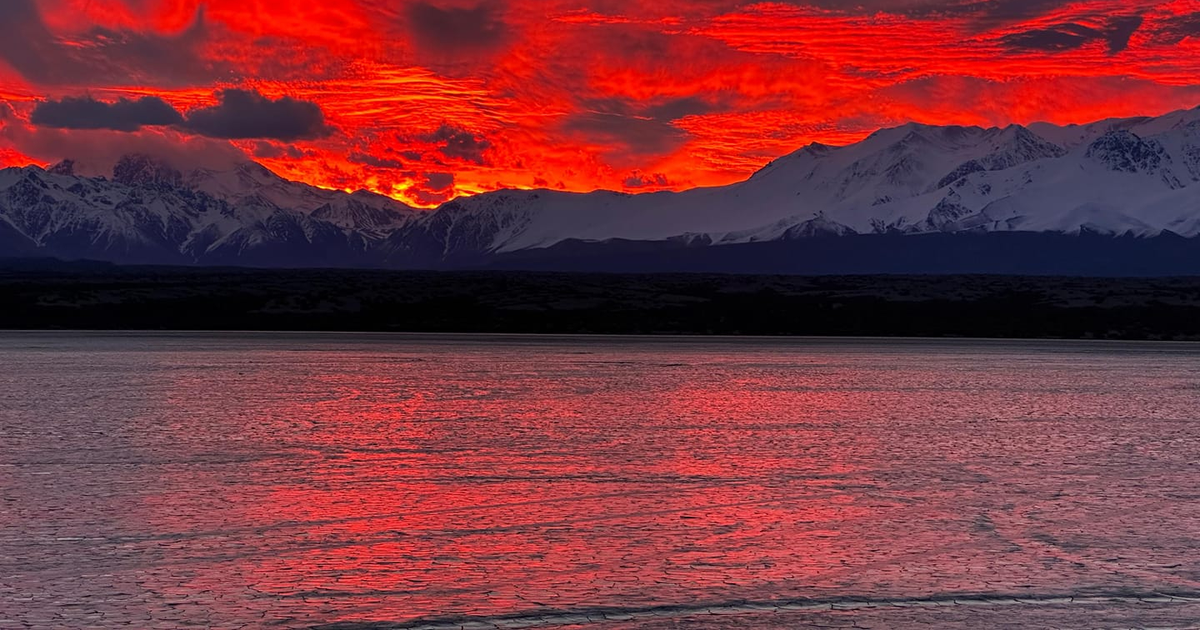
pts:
[425, 100]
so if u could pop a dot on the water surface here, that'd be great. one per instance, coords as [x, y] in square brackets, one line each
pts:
[249, 480]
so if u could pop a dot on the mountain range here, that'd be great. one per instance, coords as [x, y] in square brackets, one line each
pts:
[1118, 197]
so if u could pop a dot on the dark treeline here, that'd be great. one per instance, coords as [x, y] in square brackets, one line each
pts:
[104, 297]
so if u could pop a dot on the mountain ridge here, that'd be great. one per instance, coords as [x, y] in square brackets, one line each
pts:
[1136, 177]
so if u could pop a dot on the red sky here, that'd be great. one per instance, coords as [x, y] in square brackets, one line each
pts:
[424, 100]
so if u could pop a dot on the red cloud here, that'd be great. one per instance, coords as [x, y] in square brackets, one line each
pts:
[437, 98]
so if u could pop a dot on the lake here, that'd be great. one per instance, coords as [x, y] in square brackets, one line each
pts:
[438, 481]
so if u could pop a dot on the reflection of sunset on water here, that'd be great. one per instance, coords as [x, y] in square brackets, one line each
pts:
[375, 478]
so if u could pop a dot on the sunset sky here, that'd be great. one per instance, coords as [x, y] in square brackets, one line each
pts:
[425, 100]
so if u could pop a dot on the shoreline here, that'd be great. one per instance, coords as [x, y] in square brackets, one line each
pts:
[647, 305]
[520, 337]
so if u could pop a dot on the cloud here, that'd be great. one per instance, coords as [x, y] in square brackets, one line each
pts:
[627, 134]
[437, 188]
[88, 113]
[458, 144]
[634, 127]
[641, 180]
[95, 151]
[439, 181]
[243, 114]
[582, 95]
[1176, 29]
[1070, 36]
[371, 160]
[238, 115]
[273, 151]
[674, 109]
[947, 99]
[457, 29]
[983, 13]
[100, 55]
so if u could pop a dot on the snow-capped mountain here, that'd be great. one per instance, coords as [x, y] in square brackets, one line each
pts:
[149, 212]
[1117, 179]
[1139, 177]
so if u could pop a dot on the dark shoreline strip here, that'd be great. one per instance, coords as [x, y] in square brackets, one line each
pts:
[975, 306]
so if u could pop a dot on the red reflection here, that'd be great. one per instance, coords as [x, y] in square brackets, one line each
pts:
[394, 488]
[486, 480]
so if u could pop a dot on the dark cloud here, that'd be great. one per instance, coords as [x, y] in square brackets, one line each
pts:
[458, 144]
[637, 128]
[1176, 29]
[1057, 38]
[663, 111]
[1070, 36]
[88, 113]
[101, 55]
[439, 181]
[238, 115]
[675, 109]
[641, 180]
[95, 151]
[437, 188]
[242, 114]
[453, 29]
[272, 150]
[371, 160]
[975, 15]
[27, 44]
[627, 134]
[987, 13]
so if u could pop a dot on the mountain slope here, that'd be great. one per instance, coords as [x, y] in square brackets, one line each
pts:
[912, 179]
[1137, 177]
[1133, 176]
[151, 213]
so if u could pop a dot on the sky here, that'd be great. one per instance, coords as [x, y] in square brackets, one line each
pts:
[426, 100]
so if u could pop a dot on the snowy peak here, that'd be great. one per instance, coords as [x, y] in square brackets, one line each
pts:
[151, 212]
[1124, 151]
[250, 182]
[1016, 145]
[65, 167]
[1002, 149]
[352, 213]
[143, 170]
[244, 179]
[1126, 177]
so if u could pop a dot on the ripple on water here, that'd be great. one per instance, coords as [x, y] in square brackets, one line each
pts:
[402, 482]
